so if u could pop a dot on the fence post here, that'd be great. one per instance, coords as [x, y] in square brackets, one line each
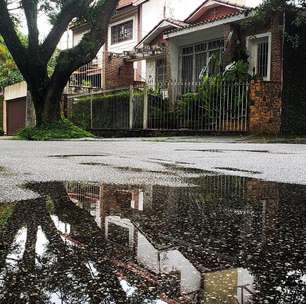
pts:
[91, 112]
[145, 107]
[131, 107]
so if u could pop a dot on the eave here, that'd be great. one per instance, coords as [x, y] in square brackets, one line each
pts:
[207, 24]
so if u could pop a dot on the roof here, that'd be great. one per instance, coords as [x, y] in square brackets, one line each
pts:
[124, 3]
[121, 4]
[207, 4]
[163, 25]
[242, 14]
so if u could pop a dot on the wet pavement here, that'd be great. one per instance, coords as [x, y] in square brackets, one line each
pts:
[221, 239]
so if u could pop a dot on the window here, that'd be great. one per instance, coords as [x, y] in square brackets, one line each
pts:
[259, 49]
[160, 70]
[262, 57]
[201, 58]
[122, 32]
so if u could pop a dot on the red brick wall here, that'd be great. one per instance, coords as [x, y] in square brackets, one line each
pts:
[276, 51]
[276, 45]
[118, 72]
[265, 107]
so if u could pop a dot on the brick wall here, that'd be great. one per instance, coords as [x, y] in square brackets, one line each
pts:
[276, 50]
[267, 194]
[275, 28]
[265, 108]
[118, 73]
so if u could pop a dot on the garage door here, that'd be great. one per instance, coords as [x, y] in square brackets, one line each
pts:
[16, 115]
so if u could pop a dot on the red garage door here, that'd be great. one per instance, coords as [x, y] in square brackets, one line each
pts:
[16, 115]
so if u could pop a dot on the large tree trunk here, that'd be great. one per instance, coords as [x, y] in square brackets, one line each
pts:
[47, 101]
[32, 59]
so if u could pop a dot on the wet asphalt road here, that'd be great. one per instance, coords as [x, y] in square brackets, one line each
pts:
[117, 221]
[145, 161]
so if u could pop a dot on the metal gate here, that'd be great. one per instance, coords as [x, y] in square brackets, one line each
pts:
[219, 106]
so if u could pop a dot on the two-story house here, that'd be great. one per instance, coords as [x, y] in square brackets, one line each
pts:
[132, 21]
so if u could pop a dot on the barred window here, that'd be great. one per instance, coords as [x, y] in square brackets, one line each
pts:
[205, 56]
[262, 57]
[160, 70]
[259, 50]
[122, 32]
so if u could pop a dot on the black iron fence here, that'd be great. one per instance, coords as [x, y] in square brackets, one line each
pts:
[211, 106]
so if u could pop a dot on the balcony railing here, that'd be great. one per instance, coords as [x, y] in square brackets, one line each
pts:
[87, 78]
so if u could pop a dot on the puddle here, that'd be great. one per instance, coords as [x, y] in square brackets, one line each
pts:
[232, 150]
[237, 170]
[168, 168]
[228, 240]
[77, 155]
[126, 169]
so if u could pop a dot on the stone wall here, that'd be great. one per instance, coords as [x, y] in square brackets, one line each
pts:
[265, 115]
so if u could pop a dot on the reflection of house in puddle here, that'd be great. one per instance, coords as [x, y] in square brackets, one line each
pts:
[145, 220]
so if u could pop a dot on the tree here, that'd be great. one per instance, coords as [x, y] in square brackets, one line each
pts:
[9, 73]
[33, 57]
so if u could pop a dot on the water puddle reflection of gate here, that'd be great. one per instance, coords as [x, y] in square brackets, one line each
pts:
[228, 240]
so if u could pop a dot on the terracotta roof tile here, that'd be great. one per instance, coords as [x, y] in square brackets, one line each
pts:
[245, 12]
[124, 3]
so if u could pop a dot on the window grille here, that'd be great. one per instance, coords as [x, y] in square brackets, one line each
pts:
[206, 56]
[262, 58]
[161, 70]
[122, 32]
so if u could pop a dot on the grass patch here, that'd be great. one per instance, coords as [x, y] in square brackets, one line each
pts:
[63, 129]
[5, 213]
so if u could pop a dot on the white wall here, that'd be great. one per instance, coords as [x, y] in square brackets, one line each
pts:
[167, 262]
[125, 45]
[151, 71]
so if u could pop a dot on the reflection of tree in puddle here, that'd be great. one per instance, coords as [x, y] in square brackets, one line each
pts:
[216, 243]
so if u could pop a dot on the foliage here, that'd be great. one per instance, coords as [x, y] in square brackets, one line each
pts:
[63, 129]
[294, 89]
[9, 73]
[269, 9]
[5, 213]
[46, 76]
[109, 110]
[81, 107]
[209, 88]
[237, 71]
[80, 113]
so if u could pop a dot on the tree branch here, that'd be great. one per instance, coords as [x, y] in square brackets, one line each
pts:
[91, 43]
[70, 10]
[30, 10]
[13, 43]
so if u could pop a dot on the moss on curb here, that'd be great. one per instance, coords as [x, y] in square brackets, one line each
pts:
[63, 129]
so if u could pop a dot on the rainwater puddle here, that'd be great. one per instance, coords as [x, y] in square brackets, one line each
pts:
[228, 240]
[232, 150]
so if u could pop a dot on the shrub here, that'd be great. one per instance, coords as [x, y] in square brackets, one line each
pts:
[110, 111]
[63, 129]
